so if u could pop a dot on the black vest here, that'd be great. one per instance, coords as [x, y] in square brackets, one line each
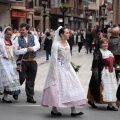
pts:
[23, 44]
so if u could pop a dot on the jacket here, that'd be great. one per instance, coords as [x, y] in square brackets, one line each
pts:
[114, 45]
[118, 93]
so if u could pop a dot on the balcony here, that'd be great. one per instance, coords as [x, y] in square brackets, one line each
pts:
[7, 1]
[93, 6]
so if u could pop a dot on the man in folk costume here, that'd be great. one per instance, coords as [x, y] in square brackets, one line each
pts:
[26, 46]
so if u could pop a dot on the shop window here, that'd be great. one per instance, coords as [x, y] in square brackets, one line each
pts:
[92, 0]
[30, 4]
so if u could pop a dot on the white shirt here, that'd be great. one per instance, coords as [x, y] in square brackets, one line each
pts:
[79, 38]
[24, 50]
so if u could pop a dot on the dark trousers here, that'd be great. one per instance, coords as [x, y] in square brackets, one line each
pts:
[79, 46]
[28, 73]
[89, 47]
[47, 54]
[117, 61]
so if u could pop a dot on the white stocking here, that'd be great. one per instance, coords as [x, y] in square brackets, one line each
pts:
[73, 110]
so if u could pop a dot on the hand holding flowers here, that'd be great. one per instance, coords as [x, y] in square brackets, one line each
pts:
[75, 67]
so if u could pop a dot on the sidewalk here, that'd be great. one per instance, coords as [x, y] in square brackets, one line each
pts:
[21, 110]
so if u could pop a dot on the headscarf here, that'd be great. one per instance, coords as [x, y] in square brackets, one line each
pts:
[3, 32]
[4, 52]
[57, 37]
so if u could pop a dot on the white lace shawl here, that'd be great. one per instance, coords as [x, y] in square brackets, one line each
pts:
[4, 52]
[52, 73]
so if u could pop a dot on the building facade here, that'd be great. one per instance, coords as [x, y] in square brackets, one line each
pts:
[15, 12]
[73, 16]
[29, 11]
[97, 17]
[116, 11]
[5, 7]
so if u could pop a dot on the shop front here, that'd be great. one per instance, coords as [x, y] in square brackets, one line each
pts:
[18, 17]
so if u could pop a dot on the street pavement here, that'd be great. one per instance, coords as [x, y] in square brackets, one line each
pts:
[21, 110]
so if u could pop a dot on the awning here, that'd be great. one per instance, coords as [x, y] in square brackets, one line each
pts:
[22, 8]
[7, 1]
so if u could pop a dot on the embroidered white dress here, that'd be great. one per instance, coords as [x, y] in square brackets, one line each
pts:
[63, 87]
[9, 77]
[5, 69]
[108, 77]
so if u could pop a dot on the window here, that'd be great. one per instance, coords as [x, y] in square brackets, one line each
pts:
[92, 0]
[19, 0]
[35, 2]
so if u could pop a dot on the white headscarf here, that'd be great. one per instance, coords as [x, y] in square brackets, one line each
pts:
[57, 37]
[4, 52]
[3, 32]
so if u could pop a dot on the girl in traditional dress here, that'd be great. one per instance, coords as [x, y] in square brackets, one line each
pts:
[11, 84]
[62, 88]
[103, 83]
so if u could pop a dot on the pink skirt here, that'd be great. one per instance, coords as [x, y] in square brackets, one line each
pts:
[51, 98]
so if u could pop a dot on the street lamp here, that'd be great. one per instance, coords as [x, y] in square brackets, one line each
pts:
[63, 9]
[87, 12]
[86, 16]
[103, 17]
[44, 3]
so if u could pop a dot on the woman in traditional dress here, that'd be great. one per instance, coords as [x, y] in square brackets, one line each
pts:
[103, 83]
[8, 67]
[62, 88]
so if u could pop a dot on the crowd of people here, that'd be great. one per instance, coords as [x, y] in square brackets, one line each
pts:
[62, 87]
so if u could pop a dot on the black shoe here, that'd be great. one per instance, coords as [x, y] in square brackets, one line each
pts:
[31, 100]
[15, 97]
[92, 104]
[6, 101]
[56, 114]
[76, 114]
[112, 108]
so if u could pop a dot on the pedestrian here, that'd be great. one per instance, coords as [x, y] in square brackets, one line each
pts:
[15, 34]
[40, 35]
[8, 70]
[89, 40]
[84, 34]
[114, 47]
[103, 83]
[71, 41]
[48, 45]
[79, 40]
[62, 88]
[28, 45]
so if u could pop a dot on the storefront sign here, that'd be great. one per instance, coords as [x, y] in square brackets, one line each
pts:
[21, 14]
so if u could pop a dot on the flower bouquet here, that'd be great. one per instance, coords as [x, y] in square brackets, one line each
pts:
[117, 68]
[75, 67]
